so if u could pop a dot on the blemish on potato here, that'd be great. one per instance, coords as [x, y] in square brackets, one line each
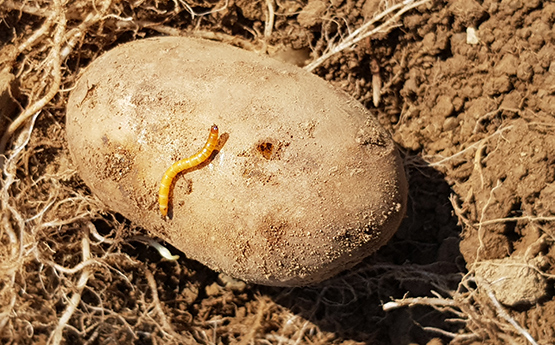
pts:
[308, 128]
[270, 148]
[274, 234]
[89, 96]
[368, 135]
[118, 163]
[266, 149]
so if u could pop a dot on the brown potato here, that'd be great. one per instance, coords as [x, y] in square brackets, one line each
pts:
[305, 183]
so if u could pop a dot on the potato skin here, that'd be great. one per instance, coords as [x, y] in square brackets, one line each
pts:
[305, 185]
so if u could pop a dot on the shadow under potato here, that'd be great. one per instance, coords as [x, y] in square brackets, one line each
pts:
[422, 257]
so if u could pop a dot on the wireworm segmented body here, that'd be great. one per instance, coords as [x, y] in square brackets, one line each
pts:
[187, 163]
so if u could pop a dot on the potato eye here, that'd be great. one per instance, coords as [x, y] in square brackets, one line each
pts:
[266, 149]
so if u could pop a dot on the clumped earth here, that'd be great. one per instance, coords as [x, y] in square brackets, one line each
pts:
[466, 89]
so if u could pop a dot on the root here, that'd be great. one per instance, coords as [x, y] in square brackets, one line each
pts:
[166, 326]
[54, 63]
[73, 302]
[263, 308]
[516, 219]
[462, 304]
[429, 159]
[366, 30]
[501, 312]
[409, 302]
[270, 18]
[194, 14]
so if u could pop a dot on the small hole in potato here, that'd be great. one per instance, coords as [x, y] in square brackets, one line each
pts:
[270, 149]
[267, 149]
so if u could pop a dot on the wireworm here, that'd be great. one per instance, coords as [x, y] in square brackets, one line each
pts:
[187, 163]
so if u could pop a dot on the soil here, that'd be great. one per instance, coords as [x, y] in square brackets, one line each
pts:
[467, 92]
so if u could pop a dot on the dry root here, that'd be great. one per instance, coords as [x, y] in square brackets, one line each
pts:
[381, 23]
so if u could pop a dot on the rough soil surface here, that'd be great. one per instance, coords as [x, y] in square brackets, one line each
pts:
[467, 91]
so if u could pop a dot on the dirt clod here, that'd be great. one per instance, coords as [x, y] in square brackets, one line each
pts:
[513, 280]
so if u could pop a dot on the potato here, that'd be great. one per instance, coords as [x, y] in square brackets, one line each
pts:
[305, 182]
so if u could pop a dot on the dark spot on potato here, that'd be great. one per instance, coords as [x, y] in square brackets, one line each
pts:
[90, 96]
[270, 148]
[118, 163]
[266, 149]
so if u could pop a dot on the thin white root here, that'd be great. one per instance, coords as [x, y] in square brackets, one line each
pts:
[501, 312]
[166, 326]
[366, 31]
[57, 335]
[34, 38]
[56, 67]
[10, 266]
[54, 86]
[409, 302]
[270, 18]
[194, 14]
[454, 336]
[480, 229]
[164, 252]
[63, 44]
[460, 153]
[514, 219]
[72, 37]
[9, 170]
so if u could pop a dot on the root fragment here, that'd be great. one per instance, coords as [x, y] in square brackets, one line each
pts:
[56, 75]
[367, 30]
[56, 336]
